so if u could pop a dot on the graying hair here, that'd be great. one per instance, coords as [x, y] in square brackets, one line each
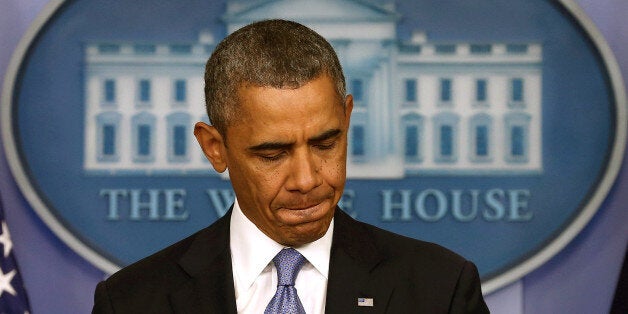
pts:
[274, 53]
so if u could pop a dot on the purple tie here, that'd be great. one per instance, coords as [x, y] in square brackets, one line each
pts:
[288, 263]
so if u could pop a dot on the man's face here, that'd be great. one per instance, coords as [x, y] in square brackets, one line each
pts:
[286, 154]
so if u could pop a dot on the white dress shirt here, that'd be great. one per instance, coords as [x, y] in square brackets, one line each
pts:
[254, 273]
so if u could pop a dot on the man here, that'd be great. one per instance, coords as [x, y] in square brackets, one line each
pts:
[275, 95]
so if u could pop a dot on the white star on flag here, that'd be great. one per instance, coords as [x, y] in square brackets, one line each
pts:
[5, 282]
[13, 298]
[5, 239]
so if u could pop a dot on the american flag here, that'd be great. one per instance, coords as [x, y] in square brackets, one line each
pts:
[13, 297]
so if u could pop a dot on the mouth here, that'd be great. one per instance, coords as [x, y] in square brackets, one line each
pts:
[303, 207]
[299, 214]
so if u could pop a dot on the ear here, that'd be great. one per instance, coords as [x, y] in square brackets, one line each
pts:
[212, 144]
[348, 109]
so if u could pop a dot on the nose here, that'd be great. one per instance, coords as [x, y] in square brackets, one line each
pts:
[304, 173]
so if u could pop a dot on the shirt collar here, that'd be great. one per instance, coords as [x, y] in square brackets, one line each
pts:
[252, 250]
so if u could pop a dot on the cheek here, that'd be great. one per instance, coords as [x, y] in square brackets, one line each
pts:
[266, 186]
[335, 172]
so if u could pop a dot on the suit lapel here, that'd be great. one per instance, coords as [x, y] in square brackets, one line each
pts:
[208, 263]
[353, 269]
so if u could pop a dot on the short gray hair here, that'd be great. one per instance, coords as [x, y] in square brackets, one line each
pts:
[275, 53]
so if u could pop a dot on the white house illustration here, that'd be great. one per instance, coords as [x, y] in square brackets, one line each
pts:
[421, 107]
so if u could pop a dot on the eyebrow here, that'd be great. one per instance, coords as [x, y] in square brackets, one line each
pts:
[269, 146]
[325, 136]
[285, 145]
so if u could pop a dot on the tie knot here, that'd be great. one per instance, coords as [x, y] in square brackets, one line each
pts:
[288, 263]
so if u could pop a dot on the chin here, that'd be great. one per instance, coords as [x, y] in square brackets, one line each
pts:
[306, 233]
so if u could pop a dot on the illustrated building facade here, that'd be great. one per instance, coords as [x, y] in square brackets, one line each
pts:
[421, 107]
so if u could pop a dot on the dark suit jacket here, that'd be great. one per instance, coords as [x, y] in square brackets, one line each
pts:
[400, 274]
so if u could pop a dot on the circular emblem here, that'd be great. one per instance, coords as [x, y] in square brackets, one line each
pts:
[494, 129]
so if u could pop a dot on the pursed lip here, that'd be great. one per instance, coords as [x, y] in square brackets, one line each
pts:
[306, 207]
[305, 213]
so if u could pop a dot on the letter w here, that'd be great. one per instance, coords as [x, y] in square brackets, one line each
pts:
[221, 199]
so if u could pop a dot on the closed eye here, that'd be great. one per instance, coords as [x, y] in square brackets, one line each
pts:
[271, 157]
[325, 146]
[326, 140]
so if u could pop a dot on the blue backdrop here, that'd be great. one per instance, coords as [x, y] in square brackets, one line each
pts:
[59, 281]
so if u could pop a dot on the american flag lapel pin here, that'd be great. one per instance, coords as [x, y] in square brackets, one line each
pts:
[365, 301]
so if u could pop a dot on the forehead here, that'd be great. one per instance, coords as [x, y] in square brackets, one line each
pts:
[317, 94]
[311, 106]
